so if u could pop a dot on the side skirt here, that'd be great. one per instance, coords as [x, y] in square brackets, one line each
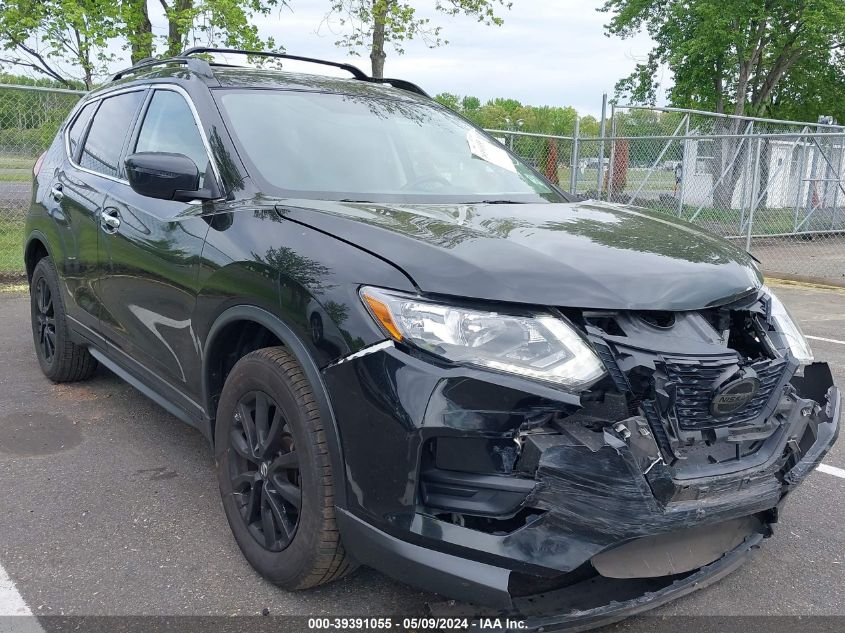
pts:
[128, 369]
[170, 405]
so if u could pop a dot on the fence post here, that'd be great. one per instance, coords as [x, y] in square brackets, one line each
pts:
[754, 186]
[809, 204]
[682, 186]
[802, 172]
[748, 164]
[573, 169]
[611, 168]
[602, 130]
[838, 181]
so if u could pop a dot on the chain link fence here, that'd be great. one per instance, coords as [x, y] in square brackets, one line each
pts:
[774, 187]
[29, 118]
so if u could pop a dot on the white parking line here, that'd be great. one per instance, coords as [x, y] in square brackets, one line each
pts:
[826, 340]
[832, 470]
[12, 604]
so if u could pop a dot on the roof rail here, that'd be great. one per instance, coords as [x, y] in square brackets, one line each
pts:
[353, 70]
[203, 68]
[402, 84]
[356, 72]
[195, 64]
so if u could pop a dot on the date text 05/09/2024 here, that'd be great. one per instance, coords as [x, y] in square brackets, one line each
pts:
[414, 624]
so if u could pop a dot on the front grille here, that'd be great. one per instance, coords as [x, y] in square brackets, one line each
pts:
[695, 378]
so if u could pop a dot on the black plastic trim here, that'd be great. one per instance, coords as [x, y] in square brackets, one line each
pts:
[826, 435]
[195, 64]
[146, 389]
[442, 573]
[198, 50]
[38, 235]
[356, 72]
[471, 493]
[131, 371]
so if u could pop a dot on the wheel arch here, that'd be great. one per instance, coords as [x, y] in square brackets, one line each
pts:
[35, 249]
[246, 314]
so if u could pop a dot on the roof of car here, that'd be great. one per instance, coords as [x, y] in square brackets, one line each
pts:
[245, 77]
[188, 66]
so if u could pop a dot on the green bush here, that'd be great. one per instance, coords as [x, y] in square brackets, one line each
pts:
[26, 142]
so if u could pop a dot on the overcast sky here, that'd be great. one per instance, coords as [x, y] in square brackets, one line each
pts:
[548, 52]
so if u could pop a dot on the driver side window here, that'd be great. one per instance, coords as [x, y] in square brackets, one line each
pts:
[169, 126]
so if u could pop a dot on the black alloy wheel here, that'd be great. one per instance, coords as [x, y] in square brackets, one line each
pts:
[265, 474]
[275, 472]
[45, 320]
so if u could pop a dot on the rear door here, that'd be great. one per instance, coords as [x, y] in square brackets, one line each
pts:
[78, 191]
[150, 254]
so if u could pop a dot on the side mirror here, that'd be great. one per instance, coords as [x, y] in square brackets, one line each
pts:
[167, 176]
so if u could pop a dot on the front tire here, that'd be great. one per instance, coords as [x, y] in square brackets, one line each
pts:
[60, 359]
[274, 472]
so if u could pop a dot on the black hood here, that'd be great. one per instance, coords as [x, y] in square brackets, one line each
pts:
[583, 254]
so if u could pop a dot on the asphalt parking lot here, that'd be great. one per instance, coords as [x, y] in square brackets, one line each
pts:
[110, 506]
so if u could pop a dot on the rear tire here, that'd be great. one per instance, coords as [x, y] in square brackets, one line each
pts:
[274, 472]
[60, 359]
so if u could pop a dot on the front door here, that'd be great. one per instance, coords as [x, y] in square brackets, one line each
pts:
[150, 251]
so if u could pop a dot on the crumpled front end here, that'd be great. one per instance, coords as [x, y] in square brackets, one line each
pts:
[666, 472]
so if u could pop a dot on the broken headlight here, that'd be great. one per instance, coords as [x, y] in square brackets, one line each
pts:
[789, 330]
[539, 346]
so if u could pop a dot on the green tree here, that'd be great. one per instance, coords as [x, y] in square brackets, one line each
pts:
[814, 88]
[729, 56]
[501, 113]
[47, 36]
[548, 119]
[746, 57]
[511, 106]
[470, 104]
[68, 40]
[376, 24]
[449, 100]
[135, 18]
[197, 22]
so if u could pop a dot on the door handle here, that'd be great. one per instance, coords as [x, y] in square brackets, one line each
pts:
[110, 220]
[56, 193]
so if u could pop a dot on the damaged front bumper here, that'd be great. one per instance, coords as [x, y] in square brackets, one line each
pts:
[601, 601]
[500, 492]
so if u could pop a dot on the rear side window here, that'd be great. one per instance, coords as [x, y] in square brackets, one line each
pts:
[104, 143]
[77, 128]
[169, 126]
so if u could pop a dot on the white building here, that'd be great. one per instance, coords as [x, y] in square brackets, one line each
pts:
[786, 185]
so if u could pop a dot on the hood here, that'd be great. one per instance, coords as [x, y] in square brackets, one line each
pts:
[583, 254]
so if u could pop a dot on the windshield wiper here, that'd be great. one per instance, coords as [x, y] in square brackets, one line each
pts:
[501, 202]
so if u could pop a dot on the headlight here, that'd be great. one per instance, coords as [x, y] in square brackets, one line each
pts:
[539, 346]
[789, 330]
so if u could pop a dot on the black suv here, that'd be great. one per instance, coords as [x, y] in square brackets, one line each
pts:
[409, 350]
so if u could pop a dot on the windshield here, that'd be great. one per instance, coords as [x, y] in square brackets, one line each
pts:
[374, 149]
